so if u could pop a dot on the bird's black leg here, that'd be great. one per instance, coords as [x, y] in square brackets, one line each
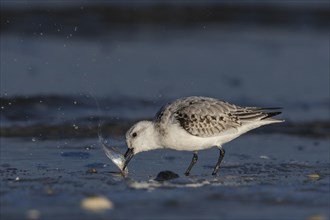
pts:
[192, 163]
[216, 168]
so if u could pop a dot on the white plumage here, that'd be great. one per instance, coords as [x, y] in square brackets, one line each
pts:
[196, 123]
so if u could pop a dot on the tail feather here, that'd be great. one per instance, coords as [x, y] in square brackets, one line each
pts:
[262, 109]
[254, 114]
[270, 114]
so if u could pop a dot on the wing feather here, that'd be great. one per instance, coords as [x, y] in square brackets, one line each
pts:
[208, 117]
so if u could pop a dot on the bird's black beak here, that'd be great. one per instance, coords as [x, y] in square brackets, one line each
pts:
[128, 156]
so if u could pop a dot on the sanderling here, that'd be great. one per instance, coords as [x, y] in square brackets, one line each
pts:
[195, 123]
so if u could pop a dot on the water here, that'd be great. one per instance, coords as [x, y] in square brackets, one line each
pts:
[53, 67]
[270, 171]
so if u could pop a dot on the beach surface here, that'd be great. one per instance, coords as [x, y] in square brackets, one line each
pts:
[62, 75]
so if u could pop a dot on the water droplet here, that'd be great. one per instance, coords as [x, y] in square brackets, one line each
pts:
[2, 107]
[75, 126]
[75, 28]
[17, 178]
[41, 33]
[34, 139]
[75, 102]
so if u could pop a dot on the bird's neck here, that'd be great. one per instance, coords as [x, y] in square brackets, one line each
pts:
[152, 138]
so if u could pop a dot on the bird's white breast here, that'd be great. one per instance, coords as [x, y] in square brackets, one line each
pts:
[179, 139]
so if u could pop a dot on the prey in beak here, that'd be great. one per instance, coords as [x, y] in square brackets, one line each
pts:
[128, 156]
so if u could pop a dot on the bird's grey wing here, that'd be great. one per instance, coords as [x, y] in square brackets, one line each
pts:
[207, 118]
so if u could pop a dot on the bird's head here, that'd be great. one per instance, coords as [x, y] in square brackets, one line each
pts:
[140, 137]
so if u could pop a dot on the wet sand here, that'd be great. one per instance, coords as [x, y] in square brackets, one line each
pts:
[261, 175]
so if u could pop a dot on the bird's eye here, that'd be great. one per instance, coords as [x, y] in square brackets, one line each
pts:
[134, 134]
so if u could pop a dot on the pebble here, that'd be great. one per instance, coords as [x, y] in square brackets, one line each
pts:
[91, 170]
[166, 175]
[33, 214]
[49, 191]
[316, 217]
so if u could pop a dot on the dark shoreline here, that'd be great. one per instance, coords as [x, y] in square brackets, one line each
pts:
[62, 117]
[117, 128]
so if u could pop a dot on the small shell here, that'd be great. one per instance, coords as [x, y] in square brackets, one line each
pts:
[314, 176]
[96, 204]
